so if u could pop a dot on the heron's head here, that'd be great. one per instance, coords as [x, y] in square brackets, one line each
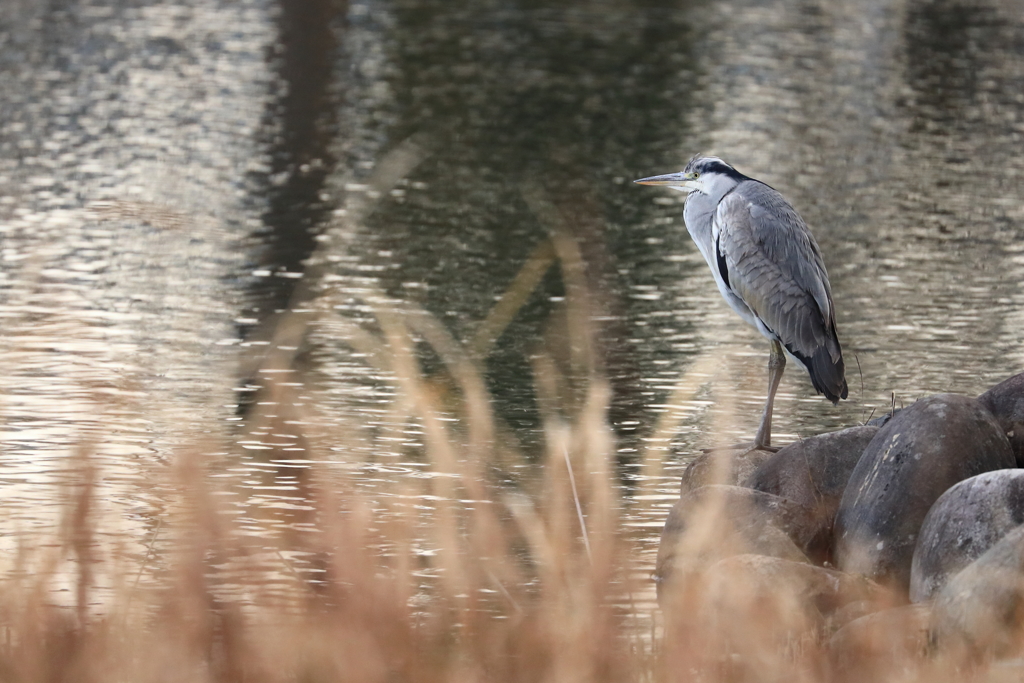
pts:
[707, 175]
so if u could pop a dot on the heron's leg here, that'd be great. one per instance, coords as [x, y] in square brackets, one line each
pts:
[776, 366]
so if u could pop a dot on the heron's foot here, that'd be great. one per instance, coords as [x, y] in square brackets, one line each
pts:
[742, 448]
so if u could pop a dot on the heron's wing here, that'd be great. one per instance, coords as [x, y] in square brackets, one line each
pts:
[774, 265]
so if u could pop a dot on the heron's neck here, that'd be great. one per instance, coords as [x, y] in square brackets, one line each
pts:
[699, 210]
[698, 214]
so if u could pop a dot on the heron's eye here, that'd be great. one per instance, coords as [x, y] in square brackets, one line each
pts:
[696, 174]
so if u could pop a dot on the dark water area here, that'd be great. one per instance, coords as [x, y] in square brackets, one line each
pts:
[177, 179]
[299, 126]
[570, 101]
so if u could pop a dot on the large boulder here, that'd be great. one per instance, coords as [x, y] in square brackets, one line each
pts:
[880, 646]
[813, 473]
[740, 616]
[729, 466]
[884, 418]
[980, 611]
[717, 521]
[964, 522]
[1006, 403]
[748, 614]
[919, 454]
[826, 590]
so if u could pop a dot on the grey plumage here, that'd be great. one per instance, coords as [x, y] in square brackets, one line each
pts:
[767, 266]
[776, 269]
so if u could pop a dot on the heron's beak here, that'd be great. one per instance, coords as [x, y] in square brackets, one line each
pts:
[677, 181]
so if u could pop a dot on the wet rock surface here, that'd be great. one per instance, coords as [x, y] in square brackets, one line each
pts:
[717, 521]
[964, 522]
[813, 473]
[911, 461]
[1006, 403]
[980, 611]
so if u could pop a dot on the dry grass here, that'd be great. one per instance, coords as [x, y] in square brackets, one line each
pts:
[520, 594]
[526, 585]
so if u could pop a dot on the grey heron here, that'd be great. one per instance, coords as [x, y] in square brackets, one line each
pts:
[769, 269]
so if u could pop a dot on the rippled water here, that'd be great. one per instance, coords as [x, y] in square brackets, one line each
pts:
[169, 170]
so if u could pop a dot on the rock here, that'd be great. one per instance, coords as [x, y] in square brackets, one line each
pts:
[824, 589]
[1006, 403]
[852, 610]
[924, 450]
[813, 473]
[717, 521]
[964, 522]
[743, 615]
[1005, 671]
[880, 646]
[980, 611]
[883, 419]
[722, 466]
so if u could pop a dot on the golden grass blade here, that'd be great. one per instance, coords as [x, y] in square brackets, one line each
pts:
[538, 263]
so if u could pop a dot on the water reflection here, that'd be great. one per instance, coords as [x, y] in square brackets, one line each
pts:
[125, 136]
[464, 168]
[299, 125]
[945, 64]
[573, 100]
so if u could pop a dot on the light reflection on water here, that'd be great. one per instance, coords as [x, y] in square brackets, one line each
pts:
[150, 180]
